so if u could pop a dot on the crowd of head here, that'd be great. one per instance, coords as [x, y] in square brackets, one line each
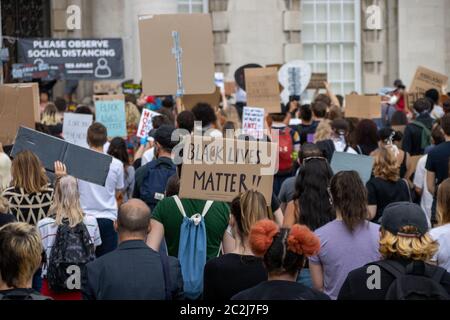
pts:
[322, 235]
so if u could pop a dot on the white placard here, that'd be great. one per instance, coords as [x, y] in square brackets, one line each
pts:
[145, 124]
[294, 76]
[253, 122]
[75, 128]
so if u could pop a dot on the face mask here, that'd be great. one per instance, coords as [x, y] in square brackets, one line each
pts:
[393, 100]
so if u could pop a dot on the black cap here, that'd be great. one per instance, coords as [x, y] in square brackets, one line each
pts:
[401, 214]
[399, 84]
[163, 135]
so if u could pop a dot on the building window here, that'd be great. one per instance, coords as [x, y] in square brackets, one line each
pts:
[331, 38]
[193, 6]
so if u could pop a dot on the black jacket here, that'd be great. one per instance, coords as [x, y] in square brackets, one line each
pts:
[132, 272]
[412, 139]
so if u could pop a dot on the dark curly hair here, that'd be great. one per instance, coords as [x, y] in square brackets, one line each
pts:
[349, 198]
[311, 196]
[205, 113]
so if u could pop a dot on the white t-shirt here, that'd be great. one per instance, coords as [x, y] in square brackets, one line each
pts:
[98, 201]
[442, 236]
[148, 156]
[437, 112]
[48, 229]
[420, 181]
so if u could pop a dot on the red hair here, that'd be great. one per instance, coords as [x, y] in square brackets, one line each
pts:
[302, 241]
[261, 236]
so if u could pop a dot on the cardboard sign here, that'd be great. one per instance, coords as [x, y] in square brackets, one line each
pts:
[263, 89]
[230, 88]
[362, 107]
[107, 87]
[110, 111]
[19, 106]
[145, 124]
[81, 163]
[426, 79]
[190, 100]
[253, 122]
[75, 128]
[159, 61]
[222, 169]
[317, 81]
[343, 161]
[411, 98]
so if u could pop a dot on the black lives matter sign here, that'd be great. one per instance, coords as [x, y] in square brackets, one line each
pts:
[82, 59]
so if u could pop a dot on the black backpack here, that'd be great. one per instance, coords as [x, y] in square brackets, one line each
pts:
[416, 281]
[72, 247]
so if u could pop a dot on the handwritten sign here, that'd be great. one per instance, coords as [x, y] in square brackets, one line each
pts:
[75, 128]
[253, 122]
[146, 125]
[317, 81]
[110, 111]
[426, 79]
[263, 89]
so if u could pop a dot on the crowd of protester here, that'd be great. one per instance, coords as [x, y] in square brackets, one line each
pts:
[322, 237]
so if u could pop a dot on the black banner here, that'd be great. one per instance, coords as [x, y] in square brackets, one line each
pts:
[83, 59]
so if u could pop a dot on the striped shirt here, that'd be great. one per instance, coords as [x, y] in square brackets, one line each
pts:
[48, 229]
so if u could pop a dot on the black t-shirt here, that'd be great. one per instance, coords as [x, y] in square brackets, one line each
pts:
[381, 193]
[355, 286]
[412, 137]
[280, 290]
[22, 294]
[304, 130]
[6, 218]
[275, 205]
[230, 274]
[437, 161]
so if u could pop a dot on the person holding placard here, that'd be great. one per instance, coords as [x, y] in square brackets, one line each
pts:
[100, 202]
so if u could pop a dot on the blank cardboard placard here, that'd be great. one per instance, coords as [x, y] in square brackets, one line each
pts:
[75, 128]
[110, 111]
[82, 163]
[343, 161]
[19, 106]
[230, 88]
[220, 169]
[317, 81]
[426, 79]
[158, 63]
[362, 107]
[263, 90]
[190, 100]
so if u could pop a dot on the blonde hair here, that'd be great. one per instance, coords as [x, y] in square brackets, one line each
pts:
[4, 205]
[420, 249]
[21, 253]
[385, 164]
[49, 115]
[323, 131]
[66, 202]
[28, 173]
[443, 203]
[5, 171]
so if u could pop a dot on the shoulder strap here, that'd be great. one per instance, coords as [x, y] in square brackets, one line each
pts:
[346, 148]
[180, 206]
[395, 268]
[166, 274]
[208, 205]
[359, 149]
[408, 188]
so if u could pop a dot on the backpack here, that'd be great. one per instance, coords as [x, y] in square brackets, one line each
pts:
[285, 150]
[416, 281]
[72, 247]
[425, 138]
[154, 184]
[23, 295]
[192, 250]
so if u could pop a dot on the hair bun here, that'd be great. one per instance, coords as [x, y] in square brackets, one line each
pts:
[261, 236]
[303, 241]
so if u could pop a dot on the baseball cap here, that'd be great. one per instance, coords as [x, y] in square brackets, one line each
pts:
[401, 214]
[163, 135]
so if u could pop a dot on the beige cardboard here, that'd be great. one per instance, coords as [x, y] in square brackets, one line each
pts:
[426, 79]
[190, 100]
[207, 164]
[230, 88]
[317, 81]
[263, 89]
[363, 107]
[158, 63]
[109, 97]
[19, 106]
[107, 87]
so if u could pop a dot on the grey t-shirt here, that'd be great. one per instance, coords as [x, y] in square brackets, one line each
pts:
[287, 190]
[342, 251]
